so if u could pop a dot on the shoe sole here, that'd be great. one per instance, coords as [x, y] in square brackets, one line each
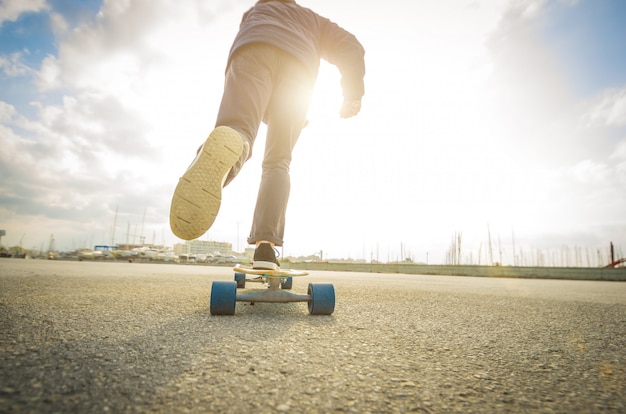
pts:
[198, 194]
[261, 265]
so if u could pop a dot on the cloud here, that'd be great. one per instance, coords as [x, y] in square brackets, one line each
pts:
[590, 172]
[533, 9]
[527, 79]
[7, 112]
[48, 76]
[113, 110]
[609, 109]
[126, 40]
[73, 157]
[562, 145]
[533, 103]
[620, 152]
[13, 65]
[10, 10]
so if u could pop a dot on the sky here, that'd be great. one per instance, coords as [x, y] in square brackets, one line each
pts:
[499, 126]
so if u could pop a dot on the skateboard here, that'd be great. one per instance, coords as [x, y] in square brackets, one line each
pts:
[320, 296]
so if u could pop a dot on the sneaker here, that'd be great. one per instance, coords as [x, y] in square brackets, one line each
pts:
[265, 258]
[198, 195]
[245, 154]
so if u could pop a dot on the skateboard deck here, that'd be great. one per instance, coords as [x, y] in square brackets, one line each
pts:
[270, 273]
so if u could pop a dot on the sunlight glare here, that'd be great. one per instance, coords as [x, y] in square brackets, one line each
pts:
[327, 95]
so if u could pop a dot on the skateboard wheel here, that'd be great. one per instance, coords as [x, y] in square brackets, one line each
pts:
[286, 283]
[240, 278]
[223, 298]
[322, 300]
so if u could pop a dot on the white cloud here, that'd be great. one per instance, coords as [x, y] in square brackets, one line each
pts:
[133, 82]
[48, 76]
[560, 145]
[609, 109]
[620, 152]
[59, 25]
[13, 65]
[10, 10]
[590, 172]
[7, 111]
[532, 9]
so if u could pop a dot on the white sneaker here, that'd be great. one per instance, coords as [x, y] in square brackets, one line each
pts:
[198, 195]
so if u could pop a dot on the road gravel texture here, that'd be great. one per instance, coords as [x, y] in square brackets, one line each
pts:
[97, 337]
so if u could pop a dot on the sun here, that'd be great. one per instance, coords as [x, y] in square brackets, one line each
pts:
[327, 95]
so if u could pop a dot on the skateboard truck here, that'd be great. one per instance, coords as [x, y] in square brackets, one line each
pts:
[320, 296]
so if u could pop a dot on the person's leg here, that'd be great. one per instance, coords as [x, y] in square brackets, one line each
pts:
[286, 116]
[247, 90]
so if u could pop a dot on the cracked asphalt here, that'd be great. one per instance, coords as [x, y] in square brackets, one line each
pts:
[132, 338]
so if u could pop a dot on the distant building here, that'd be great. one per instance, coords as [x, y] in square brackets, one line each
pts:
[195, 247]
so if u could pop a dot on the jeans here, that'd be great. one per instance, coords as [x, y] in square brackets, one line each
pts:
[263, 83]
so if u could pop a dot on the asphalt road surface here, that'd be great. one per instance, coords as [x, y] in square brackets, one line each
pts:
[119, 337]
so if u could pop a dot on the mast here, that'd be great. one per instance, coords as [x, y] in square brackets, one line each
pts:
[114, 226]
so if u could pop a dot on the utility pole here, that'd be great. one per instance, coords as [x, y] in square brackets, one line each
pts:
[114, 226]
[490, 247]
[612, 253]
[513, 239]
[143, 222]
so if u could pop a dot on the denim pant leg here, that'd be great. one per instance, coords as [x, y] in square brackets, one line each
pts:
[286, 115]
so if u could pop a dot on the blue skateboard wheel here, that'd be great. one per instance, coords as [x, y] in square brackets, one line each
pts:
[287, 283]
[223, 298]
[240, 278]
[322, 298]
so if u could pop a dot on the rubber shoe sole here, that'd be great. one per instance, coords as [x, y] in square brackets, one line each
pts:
[261, 265]
[198, 194]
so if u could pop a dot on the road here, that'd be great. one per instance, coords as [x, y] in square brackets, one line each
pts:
[131, 338]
